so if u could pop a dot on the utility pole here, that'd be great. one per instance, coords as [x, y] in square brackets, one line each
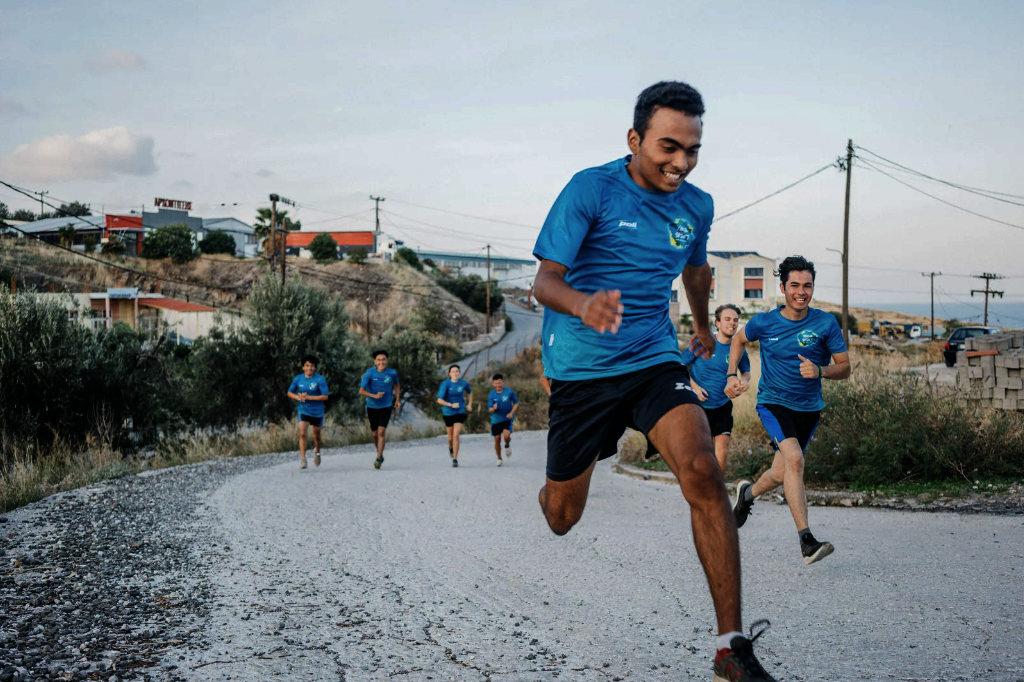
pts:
[41, 201]
[931, 275]
[367, 319]
[284, 238]
[376, 210]
[487, 325]
[273, 230]
[987, 276]
[846, 246]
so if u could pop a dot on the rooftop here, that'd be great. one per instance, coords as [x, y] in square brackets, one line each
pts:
[474, 257]
[736, 254]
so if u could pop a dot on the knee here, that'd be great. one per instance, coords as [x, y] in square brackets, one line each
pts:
[795, 462]
[702, 468]
[561, 517]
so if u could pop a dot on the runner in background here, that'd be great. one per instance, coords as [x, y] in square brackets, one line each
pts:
[455, 396]
[310, 389]
[502, 403]
[380, 388]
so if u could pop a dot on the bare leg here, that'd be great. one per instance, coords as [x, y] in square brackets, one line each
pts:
[684, 440]
[302, 439]
[376, 439]
[787, 469]
[722, 450]
[379, 439]
[316, 437]
[451, 445]
[563, 501]
[508, 438]
[497, 446]
[456, 430]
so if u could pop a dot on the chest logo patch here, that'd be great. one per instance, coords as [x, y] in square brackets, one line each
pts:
[806, 338]
[680, 233]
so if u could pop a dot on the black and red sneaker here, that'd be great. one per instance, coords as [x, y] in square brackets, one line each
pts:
[738, 663]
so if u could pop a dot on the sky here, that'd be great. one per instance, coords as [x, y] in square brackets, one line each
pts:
[487, 109]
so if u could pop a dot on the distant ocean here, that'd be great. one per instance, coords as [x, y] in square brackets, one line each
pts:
[1000, 313]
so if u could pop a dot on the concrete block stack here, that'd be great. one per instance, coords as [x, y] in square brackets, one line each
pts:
[989, 370]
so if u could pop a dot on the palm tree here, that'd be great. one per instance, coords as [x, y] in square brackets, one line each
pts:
[262, 226]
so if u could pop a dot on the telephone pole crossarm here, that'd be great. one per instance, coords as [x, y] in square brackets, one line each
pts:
[987, 291]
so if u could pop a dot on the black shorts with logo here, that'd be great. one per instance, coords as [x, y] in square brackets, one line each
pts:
[380, 416]
[720, 419]
[783, 422]
[453, 419]
[586, 418]
[314, 421]
[498, 428]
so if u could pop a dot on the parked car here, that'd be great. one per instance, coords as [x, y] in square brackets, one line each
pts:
[955, 342]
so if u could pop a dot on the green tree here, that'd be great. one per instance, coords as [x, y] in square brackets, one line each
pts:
[851, 320]
[113, 246]
[411, 257]
[413, 355]
[5, 212]
[472, 290]
[357, 256]
[953, 324]
[75, 208]
[218, 241]
[174, 241]
[431, 318]
[323, 247]
[89, 243]
[262, 224]
[66, 233]
[24, 215]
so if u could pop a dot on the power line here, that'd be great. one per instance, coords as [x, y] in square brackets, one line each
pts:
[776, 192]
[448, 230]
[467, 215]
[942, 201]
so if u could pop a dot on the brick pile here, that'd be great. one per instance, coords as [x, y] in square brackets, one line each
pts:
[989, 370]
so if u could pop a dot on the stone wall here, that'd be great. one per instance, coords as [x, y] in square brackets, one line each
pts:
[989, 370]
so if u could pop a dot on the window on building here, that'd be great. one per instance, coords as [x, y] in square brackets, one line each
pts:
[713, 273]
[753, 272]
[675, 295]
[753, 293]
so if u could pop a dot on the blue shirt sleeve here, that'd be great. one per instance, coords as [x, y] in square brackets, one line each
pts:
[514, 398]
[699, 255]
[294, 386]
[752, 329]
[469, 389]
[834, 337]
[568, 222]
[688, 357]
[441, 390]
[365, 382]
[323, 386]
[394, 377]
[744, 363]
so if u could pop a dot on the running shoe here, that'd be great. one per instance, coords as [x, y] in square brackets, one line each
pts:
[499, 461]
[451, 451]
[738, 663]
[316, 458]
[508, 451]
[455, 463]
[741, 508]
[377, 462]
[302, 463]
[814, 550]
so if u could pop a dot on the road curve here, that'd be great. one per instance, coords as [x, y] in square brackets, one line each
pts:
[420, 571]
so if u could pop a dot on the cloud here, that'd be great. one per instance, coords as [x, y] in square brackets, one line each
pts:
[11, 109]
[183, 184]
[113, 59]
[99, 155]
[263, 173]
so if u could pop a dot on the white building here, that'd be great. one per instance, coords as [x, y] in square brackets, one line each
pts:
[511, 273]
[745, 278]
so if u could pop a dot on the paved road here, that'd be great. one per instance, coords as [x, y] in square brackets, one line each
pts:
[525, 332]
[939, 373]
[420, 571]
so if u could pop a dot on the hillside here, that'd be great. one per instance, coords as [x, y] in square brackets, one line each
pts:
[395, 291]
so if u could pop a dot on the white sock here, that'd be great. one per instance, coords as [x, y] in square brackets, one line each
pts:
[725, 641]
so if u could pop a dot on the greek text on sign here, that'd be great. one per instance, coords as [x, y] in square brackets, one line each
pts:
[173, 203]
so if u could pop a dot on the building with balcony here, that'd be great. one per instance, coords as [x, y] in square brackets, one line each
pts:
[745, 278]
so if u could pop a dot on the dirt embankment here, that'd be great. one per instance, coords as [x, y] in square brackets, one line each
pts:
[393, 293]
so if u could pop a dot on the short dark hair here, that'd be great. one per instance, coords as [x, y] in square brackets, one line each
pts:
[726, 306]
[309, 357]
[379, 352]
[670, 95]
[794, 264]
[455, 366]
[496, 377]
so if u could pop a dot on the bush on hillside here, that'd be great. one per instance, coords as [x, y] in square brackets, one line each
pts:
[411, 257]
[851, 320]
[218, 241]
[323, 247]
[170, 241]
[357, 255]
[413, 355]
[472, 290]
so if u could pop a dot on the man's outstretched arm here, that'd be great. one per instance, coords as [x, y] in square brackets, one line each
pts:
[697, 283]
[601, 311]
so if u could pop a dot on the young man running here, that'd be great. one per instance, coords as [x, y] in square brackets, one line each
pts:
[502, 403]
[380, 388]
[797, 344]
[614, 241]
[454, 396]
[310, 389]
[707, 378]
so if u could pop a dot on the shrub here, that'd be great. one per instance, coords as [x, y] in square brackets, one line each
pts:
[357, 256]
[218, 241]
[173, 241]
[851, 320]
[89, 243]
[323, 247]
[472, 290]
[413, 355]
[66, 233]
[431, 318]
[509, 324]
[411, 257]
[113, 246]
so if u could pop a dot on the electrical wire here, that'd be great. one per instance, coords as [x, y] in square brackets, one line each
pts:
[775, 193]
[466, 215]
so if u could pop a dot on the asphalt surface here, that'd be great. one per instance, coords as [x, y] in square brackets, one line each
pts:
[525, 332]
[420, 571]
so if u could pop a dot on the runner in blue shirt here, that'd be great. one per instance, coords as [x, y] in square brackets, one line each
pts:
[455, 396]
[502, 403]
[616, 238]
[707, 378]
[797, 344]
[379, 386]
[310, 389]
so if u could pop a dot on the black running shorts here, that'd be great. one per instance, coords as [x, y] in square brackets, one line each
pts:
[378, 417]
[586, 418]
[720, 419]
[314, 421]
[782, 423]
[453, 419]
[497, 429]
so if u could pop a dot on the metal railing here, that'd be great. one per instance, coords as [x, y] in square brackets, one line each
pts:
[500, 353]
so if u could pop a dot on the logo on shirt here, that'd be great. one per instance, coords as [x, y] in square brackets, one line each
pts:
[806, 338]
[387, 380]
[680, 233]
[624, 223]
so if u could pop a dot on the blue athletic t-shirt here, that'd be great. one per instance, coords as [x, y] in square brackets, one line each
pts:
[613, 234]
[505, 401]
[454, 392]
[817, 337]
[377, 382]
[315, 385]
[709, 373]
